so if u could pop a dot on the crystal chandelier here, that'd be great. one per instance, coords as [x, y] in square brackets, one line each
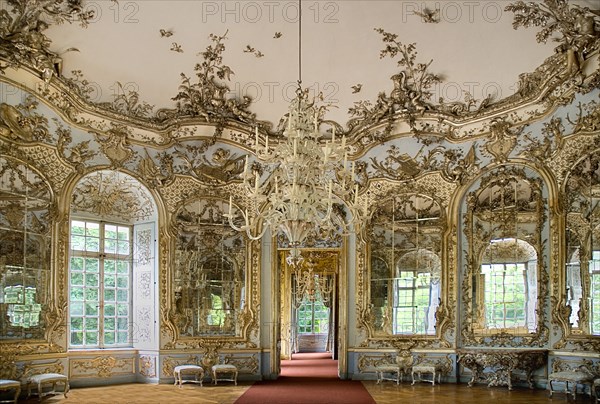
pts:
[310, 285]
[306, 176]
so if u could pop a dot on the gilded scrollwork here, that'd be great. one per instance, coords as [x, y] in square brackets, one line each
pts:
[500, 367]
[206, 98]
[101, 366]
[22, 38]
[245, 364]
[576, 25]
[115, 145]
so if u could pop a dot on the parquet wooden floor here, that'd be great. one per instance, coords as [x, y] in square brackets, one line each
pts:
[385, 393]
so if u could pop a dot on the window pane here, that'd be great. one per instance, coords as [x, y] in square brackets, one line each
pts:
[123, 247]
[76, 309]
[123, 295]
[110, 246]
[76, 264]
[92, 265]
[77, 338]
[91, 280]
[123, 233]
[91, 323]
[78, 243]
[109, 281]
[77, 227]
[76, 323]
[109, 266]
[77, 279]
[109, 324]
[92, 244]
[122, 309]
[109, 309]
[91, 295]
[91, 338]
[109, 338]
[122, 281]
[109, 295]
[91, 309]
[122, 337]
[110, 231]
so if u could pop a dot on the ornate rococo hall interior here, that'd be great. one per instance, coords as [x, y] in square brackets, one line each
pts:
[429, 190]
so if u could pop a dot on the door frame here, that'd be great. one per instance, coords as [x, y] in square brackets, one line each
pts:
[278, 279]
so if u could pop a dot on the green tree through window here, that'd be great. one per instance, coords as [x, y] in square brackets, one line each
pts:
[313, 316]
[505, 295]
[100, 285]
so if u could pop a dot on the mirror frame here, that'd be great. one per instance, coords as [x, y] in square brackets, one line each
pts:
[476, 243]
[574, 338]
[440, 190]
[248, 326]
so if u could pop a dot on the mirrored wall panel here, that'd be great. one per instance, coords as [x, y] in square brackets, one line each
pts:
[582, 268]
[405, 235]
[209, 277]
[25, 236]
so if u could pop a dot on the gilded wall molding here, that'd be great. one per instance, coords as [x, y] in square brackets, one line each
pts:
[245, 364]
[101, 366]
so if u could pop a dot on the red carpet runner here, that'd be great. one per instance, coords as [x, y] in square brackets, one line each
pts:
[307, 379]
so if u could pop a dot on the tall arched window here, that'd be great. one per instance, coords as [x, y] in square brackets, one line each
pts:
[106, 253]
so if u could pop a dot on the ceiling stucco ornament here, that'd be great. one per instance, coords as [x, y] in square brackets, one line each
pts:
[207, 97]
[22, 38]
[204, 102]
[577, 26]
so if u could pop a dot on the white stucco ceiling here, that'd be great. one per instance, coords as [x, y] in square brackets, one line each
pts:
[473, 47]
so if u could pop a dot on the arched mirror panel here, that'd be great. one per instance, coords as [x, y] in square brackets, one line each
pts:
[405, 236]
[209, 276]
[505, 282]
[25, 241]
[582, 260]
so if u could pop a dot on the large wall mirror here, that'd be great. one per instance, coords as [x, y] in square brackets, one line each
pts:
[582, 269]
[209, 272]
[405, 237]
[25, 236]
[505, 282]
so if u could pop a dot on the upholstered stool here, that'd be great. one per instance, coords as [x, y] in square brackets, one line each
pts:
[567, 377]
[225, 369]
[420, 369]
[380, 371]
[45, 379]
[10, 385]
[182, 370]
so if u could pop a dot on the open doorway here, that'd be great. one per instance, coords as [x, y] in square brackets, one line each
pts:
[309, 315]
